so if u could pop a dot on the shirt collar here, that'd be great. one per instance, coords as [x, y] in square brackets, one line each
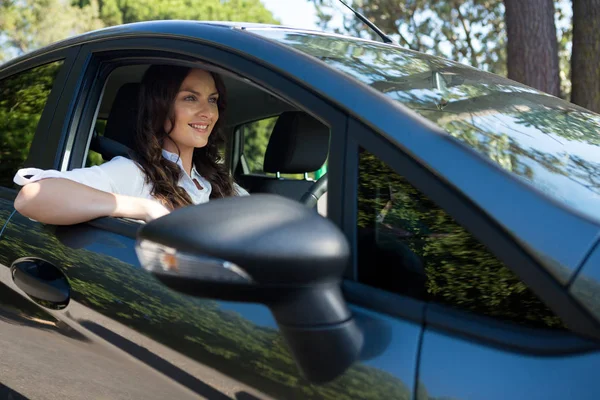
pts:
[172, 157]
[177, 160]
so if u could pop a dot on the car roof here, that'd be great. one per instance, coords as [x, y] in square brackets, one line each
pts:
[165, 28]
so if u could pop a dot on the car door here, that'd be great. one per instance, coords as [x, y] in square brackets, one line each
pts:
[487, 334]
[206, 348]
[44, 354]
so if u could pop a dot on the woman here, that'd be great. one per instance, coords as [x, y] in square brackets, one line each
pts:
[176, 162]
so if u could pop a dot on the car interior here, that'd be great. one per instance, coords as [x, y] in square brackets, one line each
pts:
[297, 146]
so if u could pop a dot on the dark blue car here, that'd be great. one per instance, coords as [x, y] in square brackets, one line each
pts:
[417, 229]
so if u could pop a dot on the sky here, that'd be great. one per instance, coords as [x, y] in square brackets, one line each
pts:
[301, 13]
[296, 13]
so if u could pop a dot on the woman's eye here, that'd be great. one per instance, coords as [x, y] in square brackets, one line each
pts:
[213, 99]
[189, 98]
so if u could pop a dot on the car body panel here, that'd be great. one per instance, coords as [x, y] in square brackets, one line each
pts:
[459, 368]
[585, 286]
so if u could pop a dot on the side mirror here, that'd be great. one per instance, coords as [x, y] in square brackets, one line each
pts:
[263, 249]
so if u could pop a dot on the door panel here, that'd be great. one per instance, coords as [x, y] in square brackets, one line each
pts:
[455, 368]
[46, 355]
[6, 206]
[214, 349]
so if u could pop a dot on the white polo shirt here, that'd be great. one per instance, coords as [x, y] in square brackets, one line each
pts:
[123, 176]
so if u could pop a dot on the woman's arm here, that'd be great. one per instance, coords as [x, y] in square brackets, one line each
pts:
[64, 202]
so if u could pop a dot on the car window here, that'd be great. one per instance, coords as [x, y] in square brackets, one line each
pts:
[256, 137]
[23, 97]
[409, 245]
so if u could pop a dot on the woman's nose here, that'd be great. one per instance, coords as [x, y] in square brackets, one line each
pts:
[205, 108]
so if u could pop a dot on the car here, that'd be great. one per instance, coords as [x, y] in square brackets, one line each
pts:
[416, 229]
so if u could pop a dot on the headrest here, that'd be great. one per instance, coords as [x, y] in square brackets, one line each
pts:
[299, 143]
[122, 120]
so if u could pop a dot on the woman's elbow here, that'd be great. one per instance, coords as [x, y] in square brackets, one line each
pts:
[25, 197]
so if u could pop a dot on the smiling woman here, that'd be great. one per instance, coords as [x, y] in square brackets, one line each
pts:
[175, 159]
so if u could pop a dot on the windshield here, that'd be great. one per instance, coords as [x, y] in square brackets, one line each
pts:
[549, 143]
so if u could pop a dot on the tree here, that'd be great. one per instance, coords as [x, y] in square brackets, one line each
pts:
[115, 12]
[532, 48]
[585, 70]
[26, 25]
[469, 31]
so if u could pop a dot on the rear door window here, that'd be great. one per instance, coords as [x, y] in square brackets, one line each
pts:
[256, 137]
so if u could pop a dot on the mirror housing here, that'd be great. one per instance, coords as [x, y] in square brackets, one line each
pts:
[263, 249]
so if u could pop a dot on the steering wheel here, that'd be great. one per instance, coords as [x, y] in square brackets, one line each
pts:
[310, 198]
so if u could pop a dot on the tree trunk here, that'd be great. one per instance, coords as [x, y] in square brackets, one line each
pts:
[585, 64]
[532, 51]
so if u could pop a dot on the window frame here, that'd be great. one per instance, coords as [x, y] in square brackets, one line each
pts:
[475, 221]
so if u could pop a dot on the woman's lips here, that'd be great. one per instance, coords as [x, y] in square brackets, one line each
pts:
[201, 128]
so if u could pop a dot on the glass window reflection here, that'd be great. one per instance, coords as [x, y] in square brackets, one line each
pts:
[408, 245]
[22, 99]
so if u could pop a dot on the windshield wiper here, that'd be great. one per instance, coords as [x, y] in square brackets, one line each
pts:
[379, 32]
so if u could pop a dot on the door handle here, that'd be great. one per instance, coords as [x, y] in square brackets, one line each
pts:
[42, 282]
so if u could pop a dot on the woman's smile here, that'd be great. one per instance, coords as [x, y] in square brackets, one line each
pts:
[200, 127]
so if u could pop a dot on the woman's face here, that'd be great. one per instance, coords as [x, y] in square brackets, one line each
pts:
[195, 111]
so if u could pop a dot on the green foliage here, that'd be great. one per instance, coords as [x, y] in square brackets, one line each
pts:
[22, 100]
[94, 158]
[26, 25]
[115, 12]
[256, 138]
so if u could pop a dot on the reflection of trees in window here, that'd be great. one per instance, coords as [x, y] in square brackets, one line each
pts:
[526, 139]
[568, 123]
[22, 100]
[405, 236]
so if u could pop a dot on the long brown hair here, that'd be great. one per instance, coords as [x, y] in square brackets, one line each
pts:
[159, 88]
